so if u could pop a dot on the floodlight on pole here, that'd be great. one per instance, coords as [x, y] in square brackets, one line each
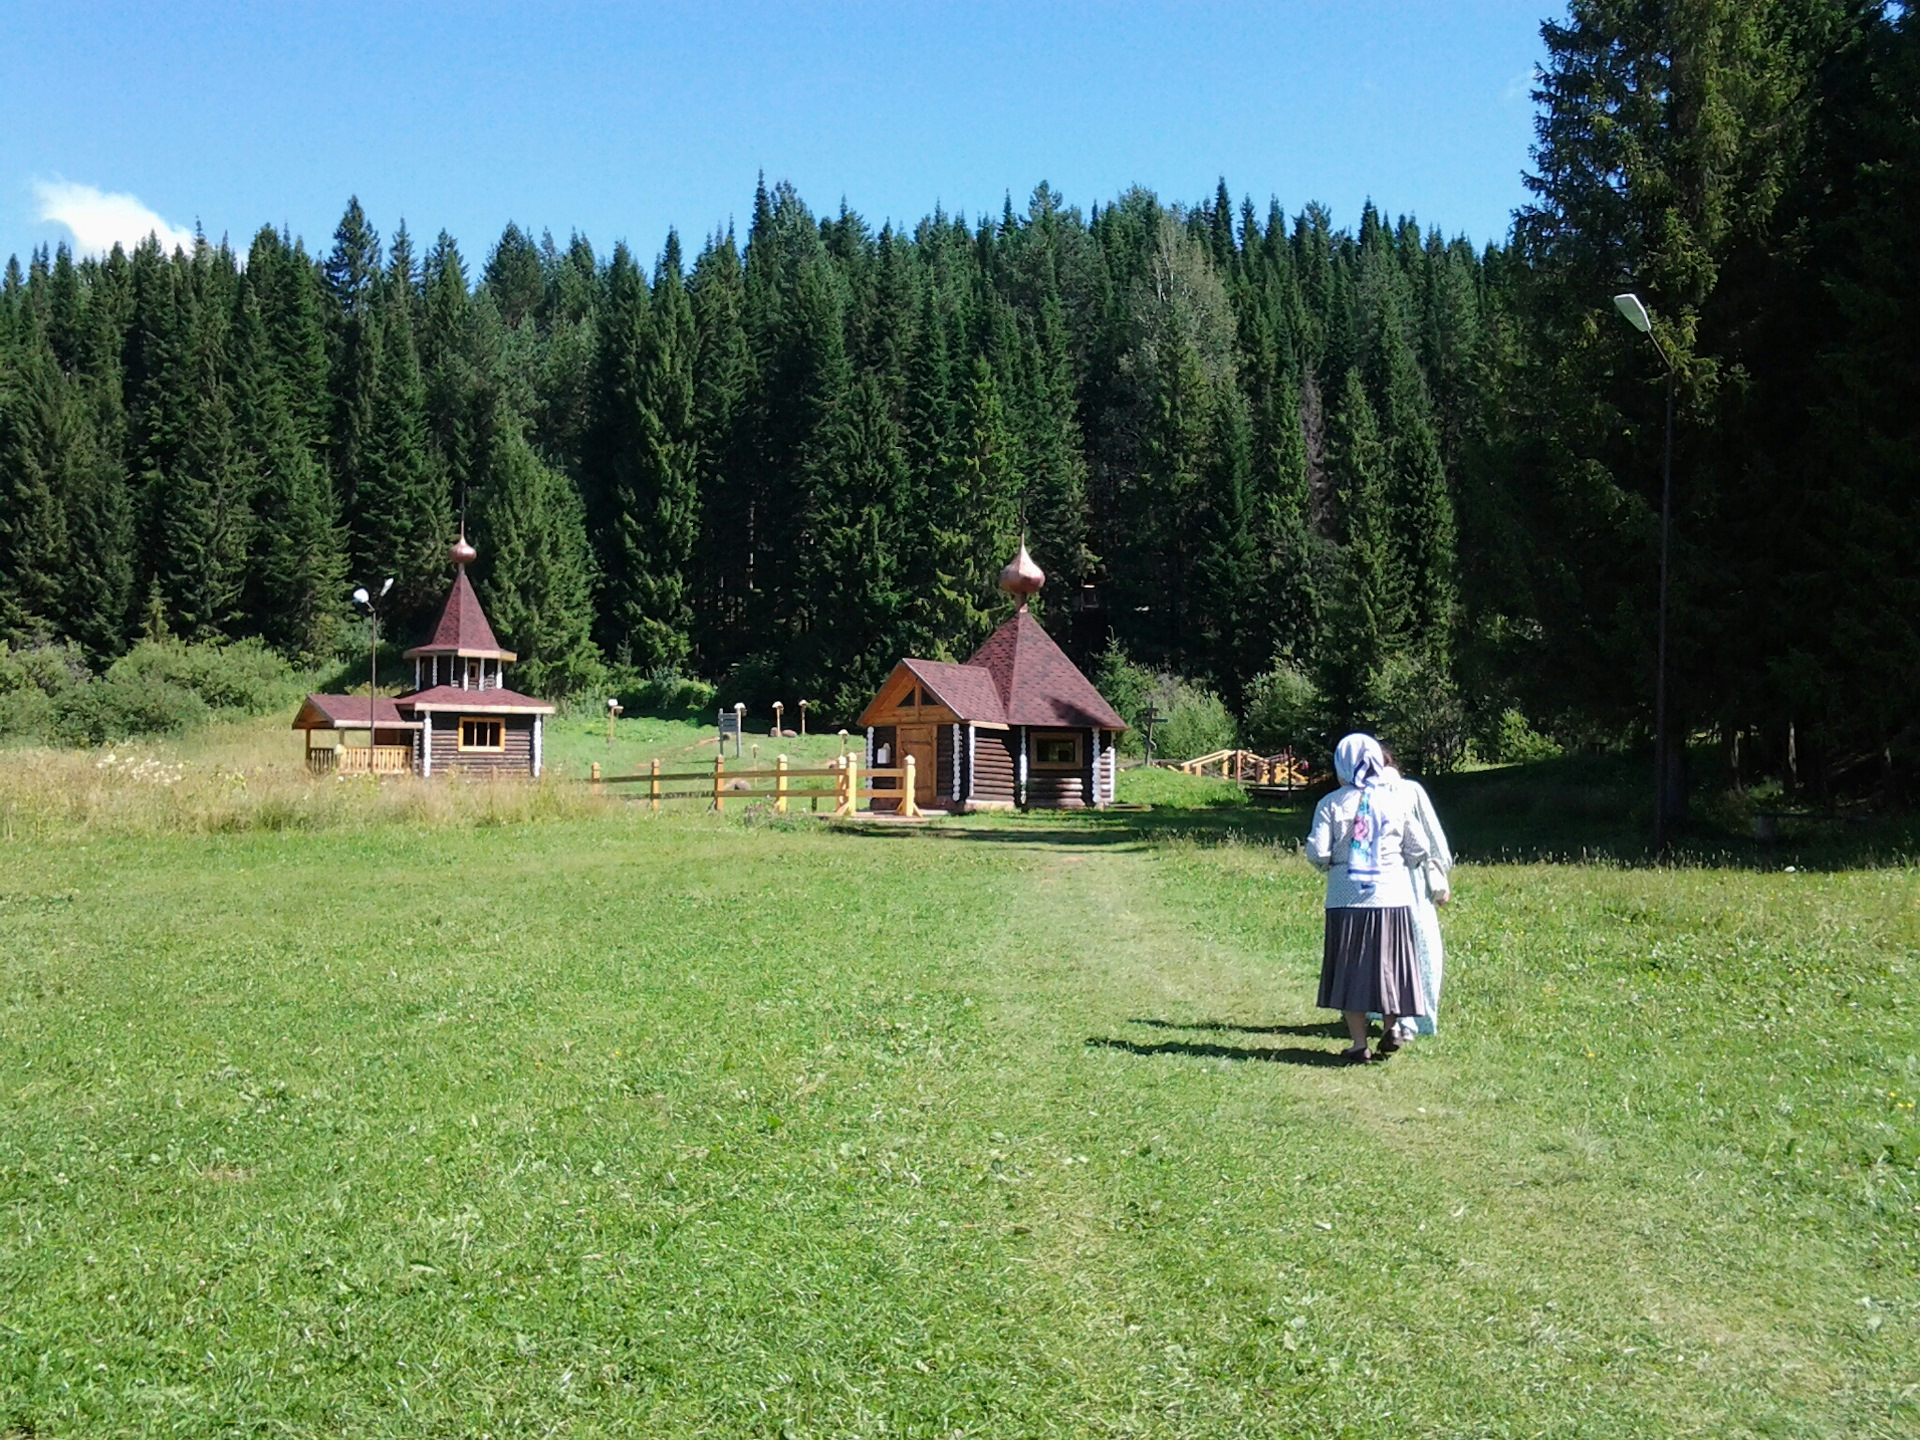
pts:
[1636, 315]
[1629, 305]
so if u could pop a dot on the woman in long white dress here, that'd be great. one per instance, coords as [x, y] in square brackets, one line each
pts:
[1431, 889]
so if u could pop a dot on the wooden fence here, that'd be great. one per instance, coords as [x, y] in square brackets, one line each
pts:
[850, 785]
[1246, 766]
[361, 760]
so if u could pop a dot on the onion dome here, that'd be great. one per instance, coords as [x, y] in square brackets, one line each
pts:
[1022, 577]
[461, 553]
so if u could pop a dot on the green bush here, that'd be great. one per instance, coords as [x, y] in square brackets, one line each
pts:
[1195, 720]
[1198, 723]
[668, 695]
[157, 688]
[1518, 743]
[1421, 716]
[30, 681]
[124, 707]
[1286, 711]
[244, 676]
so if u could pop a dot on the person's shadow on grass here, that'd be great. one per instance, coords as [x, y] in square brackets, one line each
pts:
[1332, 1029]
[1283, 1055]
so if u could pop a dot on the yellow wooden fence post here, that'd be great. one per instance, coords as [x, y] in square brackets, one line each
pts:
[719, 769]
[596, 777]
[780, 786]
[653, 787]
[907, 807]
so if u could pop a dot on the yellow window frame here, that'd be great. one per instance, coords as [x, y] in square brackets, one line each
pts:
[499, 729]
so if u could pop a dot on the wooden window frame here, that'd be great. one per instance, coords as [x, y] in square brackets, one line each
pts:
[1059, 767]
[466, 720]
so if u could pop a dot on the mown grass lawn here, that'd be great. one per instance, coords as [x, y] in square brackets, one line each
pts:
[621, 1124]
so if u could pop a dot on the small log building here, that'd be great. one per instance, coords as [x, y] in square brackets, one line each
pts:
[1016, 725]
[460, 717]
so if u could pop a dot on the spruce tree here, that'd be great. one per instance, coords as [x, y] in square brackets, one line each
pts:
[36, 441]
[723, 374]
[1368, 619]
[536, 568]
[402, 519]
[203, 496]
[647, 457]
[1228, 574]
[352, 276]
[296, 585]
[856, 498]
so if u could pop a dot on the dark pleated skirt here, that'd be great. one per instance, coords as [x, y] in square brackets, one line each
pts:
[1370, 963]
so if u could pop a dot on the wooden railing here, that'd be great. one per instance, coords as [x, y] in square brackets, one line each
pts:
[361, 760]
[1246, 766]
[851, 784]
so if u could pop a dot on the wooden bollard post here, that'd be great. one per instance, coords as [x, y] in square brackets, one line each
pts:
[653, 786]
[780, 785]
[907, 805]
[596, 777]
[719, 769]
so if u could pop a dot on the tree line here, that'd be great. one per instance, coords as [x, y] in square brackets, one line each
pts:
[1391, 475]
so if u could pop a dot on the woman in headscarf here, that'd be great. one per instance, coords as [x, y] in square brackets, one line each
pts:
[1431, 889]
[1365, 837]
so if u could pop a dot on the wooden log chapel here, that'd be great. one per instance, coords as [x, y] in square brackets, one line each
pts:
[460, 717]
[1016, 725]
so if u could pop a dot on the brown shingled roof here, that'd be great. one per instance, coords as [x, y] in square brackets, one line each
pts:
[1038, 684]
[463, 627]
[967, 690]
[475, 702]
[346, 712]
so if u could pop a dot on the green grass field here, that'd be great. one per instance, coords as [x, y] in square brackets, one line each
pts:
[553, 1117]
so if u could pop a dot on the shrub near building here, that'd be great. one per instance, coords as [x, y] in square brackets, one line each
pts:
[160, 687]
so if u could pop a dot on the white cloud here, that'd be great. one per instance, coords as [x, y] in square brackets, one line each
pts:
[99, 221]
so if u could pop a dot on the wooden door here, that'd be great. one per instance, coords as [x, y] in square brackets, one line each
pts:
[922, 743]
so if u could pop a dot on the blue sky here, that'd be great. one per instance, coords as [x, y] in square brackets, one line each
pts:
[618, 121]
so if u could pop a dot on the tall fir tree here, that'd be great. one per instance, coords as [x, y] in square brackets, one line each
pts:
[536, 567]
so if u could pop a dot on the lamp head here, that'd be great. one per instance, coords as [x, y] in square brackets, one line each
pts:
[360, 596]
[387, 585]
[1636, 314]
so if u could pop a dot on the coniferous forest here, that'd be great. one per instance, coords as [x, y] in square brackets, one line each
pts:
[1337, 474]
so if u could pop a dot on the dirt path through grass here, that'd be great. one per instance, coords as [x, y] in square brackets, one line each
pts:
[1473, 1215]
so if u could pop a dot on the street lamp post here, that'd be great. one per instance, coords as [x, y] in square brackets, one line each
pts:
[371, 604]
[1636, 315]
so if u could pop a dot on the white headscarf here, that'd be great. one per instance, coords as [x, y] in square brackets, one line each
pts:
[1358, 761]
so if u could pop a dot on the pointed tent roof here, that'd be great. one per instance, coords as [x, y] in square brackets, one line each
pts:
[463, 628]
[1038, 684]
